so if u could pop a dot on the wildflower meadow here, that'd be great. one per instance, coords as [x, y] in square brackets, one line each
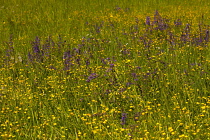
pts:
[104, 70]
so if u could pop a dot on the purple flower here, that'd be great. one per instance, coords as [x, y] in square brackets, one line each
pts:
[184, 37]
[91, 77]
[109, 69]
[36, 45]
[67, 60]
[147, 20]
[87, 62]
[206, 38]
[30, 56]
[77, 50]
[177, 22]
[97, 29]
[60, 42]
[162, 26]
[157, 17]
[128, 84]
[138, 67]
[36, 49]
[117, 8]
[134, 75]
[123, 118]
[78, 61]
[36, 54]
[66, 55]
[111, 65]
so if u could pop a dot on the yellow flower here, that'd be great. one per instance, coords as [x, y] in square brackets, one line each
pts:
[54, 123]
[128, 61]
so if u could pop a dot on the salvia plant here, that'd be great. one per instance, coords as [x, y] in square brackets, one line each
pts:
[105, 70]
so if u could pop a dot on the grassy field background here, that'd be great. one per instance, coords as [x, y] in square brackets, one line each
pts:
[92, 69]
[28, 19]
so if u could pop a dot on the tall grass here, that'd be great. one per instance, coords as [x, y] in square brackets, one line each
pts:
[104, 70]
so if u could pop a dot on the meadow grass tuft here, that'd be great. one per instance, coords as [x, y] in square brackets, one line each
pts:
[129, 70]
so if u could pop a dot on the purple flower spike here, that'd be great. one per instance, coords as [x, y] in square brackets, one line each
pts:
[177, 22]
[36, 45]
[67, 60]
[87, 62]
[37, 51]
[91, 77]
[128, 84]
[206, 38]
[148, 20]
[66, 55]
[123, 118]
[138, 67]
[134, 75]
[157, 17]
[30, 56]
[111, 65]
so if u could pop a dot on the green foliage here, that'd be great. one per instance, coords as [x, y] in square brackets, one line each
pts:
[97, 70]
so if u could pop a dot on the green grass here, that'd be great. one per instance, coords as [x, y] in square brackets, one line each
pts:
[94, 70]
